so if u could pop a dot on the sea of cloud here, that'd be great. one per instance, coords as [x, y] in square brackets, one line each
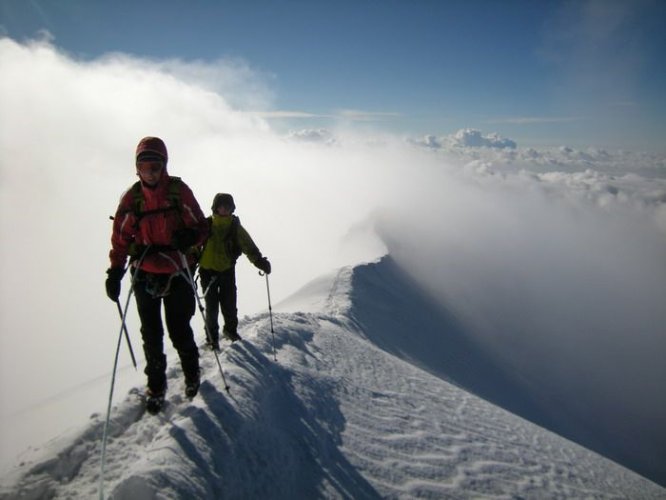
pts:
[554, 260]
[556, 257]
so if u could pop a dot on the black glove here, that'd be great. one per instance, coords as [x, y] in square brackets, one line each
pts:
[114, 275]
[263, 265]
[183, 239]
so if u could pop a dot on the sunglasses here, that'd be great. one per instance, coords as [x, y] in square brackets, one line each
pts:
[149, 167]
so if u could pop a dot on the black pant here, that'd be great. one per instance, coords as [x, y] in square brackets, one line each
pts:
[179, 307]
[220, 290]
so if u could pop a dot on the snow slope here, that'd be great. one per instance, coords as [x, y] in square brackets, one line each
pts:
[337, 416]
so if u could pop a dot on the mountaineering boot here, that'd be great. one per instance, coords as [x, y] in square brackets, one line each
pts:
[154, 401]
[192, 385]
[233, 336]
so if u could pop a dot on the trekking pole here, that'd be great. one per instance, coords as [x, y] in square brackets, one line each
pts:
[190, 279]
[108, 416]
[124, 329]
[270, 312]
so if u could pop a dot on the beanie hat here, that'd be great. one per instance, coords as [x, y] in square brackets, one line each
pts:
[224, 199]
[151, 149]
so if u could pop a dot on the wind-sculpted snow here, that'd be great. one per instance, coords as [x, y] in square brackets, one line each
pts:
[338, 416]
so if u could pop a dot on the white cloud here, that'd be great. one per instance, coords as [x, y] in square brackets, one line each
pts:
[288, 114]
[534, 120]
[243, 86]
[320, 135]
[474, 138]
[503, 154]
[467, 138]
[345, 115]
[359, 115]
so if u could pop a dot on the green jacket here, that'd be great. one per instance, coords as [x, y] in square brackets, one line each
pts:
[217, 252]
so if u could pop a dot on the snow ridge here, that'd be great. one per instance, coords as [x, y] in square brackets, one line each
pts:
[337, 417]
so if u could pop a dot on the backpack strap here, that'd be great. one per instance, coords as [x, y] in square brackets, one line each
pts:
[231, 241]
[173, 192]
[173, 195]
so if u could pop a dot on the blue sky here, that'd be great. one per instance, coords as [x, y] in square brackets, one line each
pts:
[541, 73]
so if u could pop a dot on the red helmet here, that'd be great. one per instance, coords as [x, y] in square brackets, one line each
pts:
[153, 148]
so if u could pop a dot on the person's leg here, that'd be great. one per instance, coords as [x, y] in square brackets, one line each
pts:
[179, 307]
[152, 334]
[210, 286]
[228, 301]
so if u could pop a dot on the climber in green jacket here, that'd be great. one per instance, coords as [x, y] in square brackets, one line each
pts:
[227, 240]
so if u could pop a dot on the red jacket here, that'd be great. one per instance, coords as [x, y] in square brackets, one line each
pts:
[157, 228]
